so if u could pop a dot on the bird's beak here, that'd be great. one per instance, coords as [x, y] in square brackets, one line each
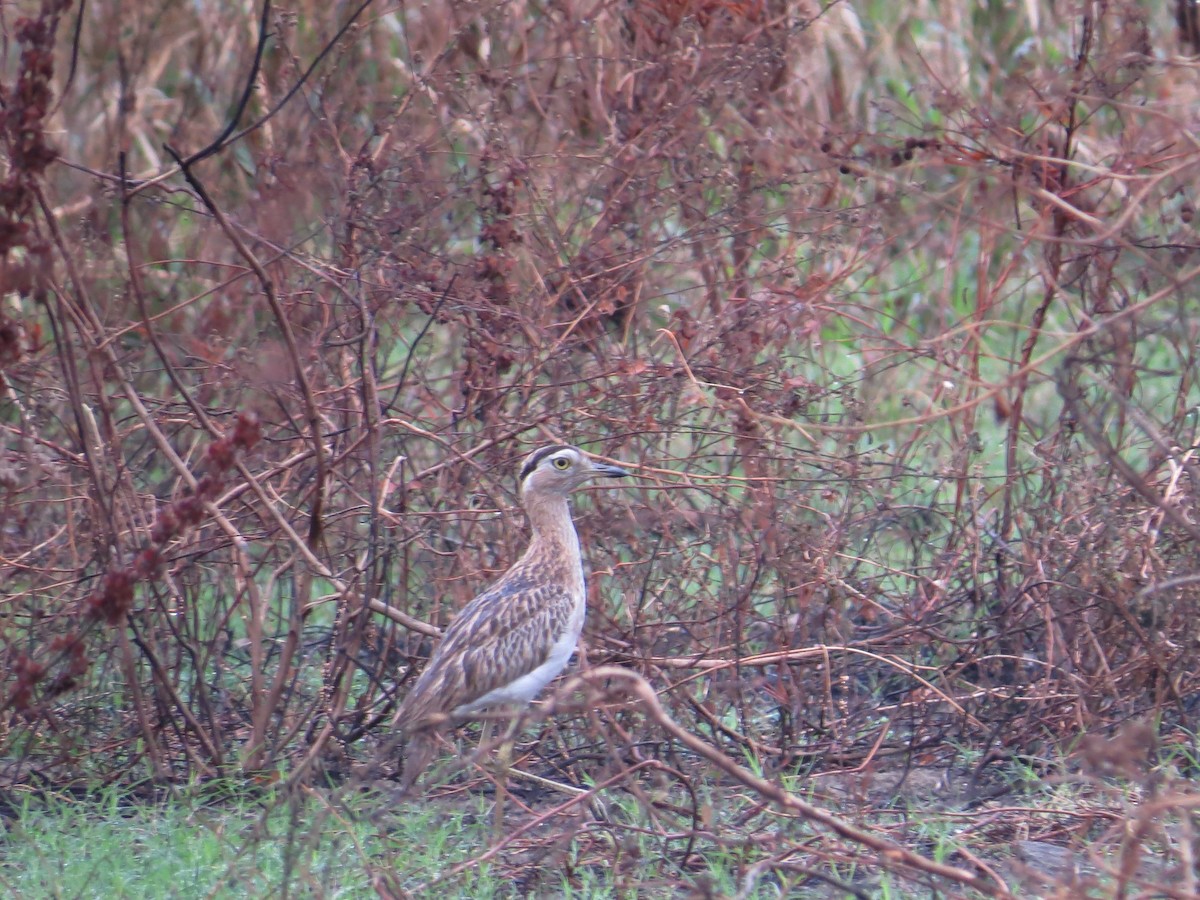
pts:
[604, 470]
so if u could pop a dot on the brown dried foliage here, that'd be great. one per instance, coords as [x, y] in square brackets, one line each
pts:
[910, 381]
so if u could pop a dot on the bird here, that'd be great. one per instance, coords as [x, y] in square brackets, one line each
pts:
[513, 639]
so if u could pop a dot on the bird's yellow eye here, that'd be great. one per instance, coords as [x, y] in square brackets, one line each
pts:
[562, 462]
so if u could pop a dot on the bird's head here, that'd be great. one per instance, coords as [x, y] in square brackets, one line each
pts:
[560, 468]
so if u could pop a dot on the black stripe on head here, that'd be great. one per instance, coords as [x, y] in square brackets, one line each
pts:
[537, 456]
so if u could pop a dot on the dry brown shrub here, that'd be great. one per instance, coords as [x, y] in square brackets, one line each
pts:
[894, 319]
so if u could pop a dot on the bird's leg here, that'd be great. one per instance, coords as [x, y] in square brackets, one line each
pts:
[504, 755]
[487, 739]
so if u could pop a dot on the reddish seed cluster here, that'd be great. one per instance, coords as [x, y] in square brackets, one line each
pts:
[499, 231]
[190, 510]
[10, 341]
[246, 432]
[114, 598]
[166, 525]
[25, 107]
[148, 562]
[71, 648]
[220, 454]
[68, 649]
[28, 672]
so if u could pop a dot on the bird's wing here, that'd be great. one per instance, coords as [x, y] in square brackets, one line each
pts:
[504, 633]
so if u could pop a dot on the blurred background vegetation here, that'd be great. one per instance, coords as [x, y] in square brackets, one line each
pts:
[891, 307]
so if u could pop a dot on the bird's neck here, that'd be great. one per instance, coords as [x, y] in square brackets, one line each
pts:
[550, 519]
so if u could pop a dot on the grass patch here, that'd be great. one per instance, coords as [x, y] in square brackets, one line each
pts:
[241, 846]
[655, 834]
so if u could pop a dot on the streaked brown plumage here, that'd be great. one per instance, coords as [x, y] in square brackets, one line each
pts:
[514, 638]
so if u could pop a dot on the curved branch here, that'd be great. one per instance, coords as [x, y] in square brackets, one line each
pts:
[633, 684]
